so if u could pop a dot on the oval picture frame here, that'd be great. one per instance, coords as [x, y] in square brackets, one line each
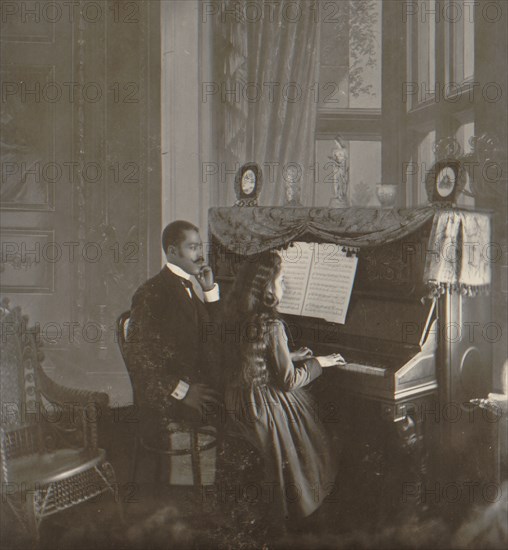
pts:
[248, 184]
[444, 181]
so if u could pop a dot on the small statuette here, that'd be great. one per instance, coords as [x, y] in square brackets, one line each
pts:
[340, 167]
[293, 183]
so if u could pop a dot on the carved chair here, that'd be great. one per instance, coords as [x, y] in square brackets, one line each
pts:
[50, 460]
[190, 440]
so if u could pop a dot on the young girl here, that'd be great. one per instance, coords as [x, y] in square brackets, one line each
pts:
[267, 403]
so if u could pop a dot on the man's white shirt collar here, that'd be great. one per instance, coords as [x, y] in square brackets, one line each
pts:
[209, 296]
[178, 271]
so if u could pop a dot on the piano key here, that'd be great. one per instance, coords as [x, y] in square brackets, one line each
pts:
[364, 369]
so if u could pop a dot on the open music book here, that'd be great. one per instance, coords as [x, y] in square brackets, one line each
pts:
[319, 279]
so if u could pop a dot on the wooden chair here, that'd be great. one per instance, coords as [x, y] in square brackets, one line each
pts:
[199, 438]
[50, 460]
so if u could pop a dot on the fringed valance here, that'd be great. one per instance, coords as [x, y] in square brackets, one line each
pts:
[450, 263]
[257, 229]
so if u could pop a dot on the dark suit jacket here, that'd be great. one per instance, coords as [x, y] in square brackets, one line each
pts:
[167, 342]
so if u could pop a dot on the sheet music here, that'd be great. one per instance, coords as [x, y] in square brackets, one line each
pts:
[330, 283]
[296, 262]
[319, 280]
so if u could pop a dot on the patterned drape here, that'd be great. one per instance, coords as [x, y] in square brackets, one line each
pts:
[253, 230]
[458, 256]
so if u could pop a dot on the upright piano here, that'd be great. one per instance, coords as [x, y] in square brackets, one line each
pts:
[410, 355]
[389, 339]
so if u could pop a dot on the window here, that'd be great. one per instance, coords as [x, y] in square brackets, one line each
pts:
[350, 96]
[438, 91]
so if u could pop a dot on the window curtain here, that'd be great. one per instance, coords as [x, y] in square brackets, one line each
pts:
[269, 63]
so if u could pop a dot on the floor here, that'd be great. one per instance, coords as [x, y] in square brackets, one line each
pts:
[172, 520]
[365, 512]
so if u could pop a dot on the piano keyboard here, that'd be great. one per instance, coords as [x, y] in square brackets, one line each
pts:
[363, 369]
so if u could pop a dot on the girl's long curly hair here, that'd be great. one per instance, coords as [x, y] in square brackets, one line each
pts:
[250, 311]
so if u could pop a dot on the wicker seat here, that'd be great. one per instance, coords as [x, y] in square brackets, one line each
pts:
[175, 440]
[49, 454]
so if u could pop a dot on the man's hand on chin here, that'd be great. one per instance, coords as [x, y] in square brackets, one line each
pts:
[205, 278]
[200, 396]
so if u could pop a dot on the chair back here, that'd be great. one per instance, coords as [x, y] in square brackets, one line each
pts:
[39, 416]
[19, 364]
[122, 327]
[21, 416]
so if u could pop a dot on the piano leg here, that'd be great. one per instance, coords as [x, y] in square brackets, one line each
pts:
[412, 442]
[384, 463]
[406, 450]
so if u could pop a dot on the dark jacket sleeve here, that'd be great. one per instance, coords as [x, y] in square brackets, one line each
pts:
[288, 375]
[149, 354]
[210, 334]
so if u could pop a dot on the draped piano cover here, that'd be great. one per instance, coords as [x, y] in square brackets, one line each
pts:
[451, 265]
[459, 253]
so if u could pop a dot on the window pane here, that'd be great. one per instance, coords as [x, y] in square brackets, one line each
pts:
[421, 31]
[431, 47]
[350, 64]
[426, 48]
[463, 135]
[426, 159]
[364, 159]
[459, 16]
[468, 47]
[365, 54]
[422, 160]
[365, 172]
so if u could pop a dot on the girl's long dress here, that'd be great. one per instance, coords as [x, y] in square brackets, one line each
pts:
[281, 420]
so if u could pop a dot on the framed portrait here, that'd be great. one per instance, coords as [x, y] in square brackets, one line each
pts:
[248, 183]
[444, 181]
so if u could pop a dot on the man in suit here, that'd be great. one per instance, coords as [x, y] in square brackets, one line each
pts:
[168, 358]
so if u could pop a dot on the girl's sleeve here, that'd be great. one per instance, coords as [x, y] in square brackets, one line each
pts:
[288, 375]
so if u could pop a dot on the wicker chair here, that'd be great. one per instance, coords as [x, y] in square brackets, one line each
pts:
[49, 455]
[199, 439]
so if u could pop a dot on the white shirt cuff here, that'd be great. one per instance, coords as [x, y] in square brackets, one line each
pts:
[213, 294]
[318, 360]
[181, 390]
